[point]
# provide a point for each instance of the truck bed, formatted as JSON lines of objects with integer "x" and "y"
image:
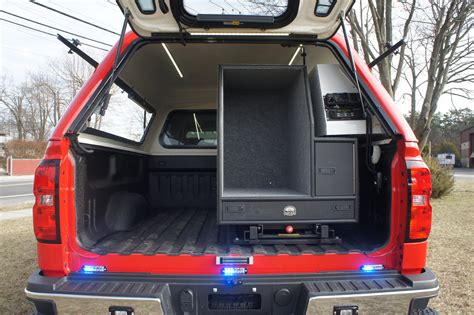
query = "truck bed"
{"x": 193, "y": 231}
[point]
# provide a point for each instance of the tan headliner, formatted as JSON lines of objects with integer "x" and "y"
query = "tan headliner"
{"x": 150, "y": 72}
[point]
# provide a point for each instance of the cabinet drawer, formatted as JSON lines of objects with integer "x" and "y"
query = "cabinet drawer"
{"x": 259, "y": 212}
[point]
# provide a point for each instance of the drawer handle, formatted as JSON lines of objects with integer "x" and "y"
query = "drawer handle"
{"x": 343, "y": 207}
{"x": 327, "y": 170}
{"x": 235, "y": 209}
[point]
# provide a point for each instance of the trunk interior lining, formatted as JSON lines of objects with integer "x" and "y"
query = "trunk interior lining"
{"x": 168, "y": 225}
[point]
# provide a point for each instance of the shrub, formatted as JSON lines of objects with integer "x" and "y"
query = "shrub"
{"x": 442, "y": 179}
{"x": 23, "y": 149}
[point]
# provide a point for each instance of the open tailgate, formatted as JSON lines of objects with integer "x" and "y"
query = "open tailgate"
{"x": 236, "y": 17}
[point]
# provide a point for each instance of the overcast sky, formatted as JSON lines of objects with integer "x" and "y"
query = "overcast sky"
{"x": 24, "y": 50}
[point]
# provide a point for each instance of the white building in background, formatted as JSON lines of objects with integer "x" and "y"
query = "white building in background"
{"x": 446, "y": 159}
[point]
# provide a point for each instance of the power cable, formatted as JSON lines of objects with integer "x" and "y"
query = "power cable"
{"x": 219, "y": 6}
{"x": 244, "y": 6}
{"x": 114, "y": 4}
{"x": 78, "y": 14}
{"x": 73, "y": 17}
{"x": 47, "y": 33}
{"x": 233, "y": 8}
{"x": 38, "y": 13}
{"x": 28, "y": 27}
{"x": 28, "y": 33}
{"x": 55, "y": 28}
{"x": 23, "y": 51}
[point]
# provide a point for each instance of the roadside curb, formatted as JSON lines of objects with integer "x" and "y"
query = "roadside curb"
{"x": 5, "y": 178}
{"x": 16, "y": 214}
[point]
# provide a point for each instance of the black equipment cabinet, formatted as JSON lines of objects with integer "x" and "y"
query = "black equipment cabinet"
{"x": 271, "y": 167}
{"x": 335, "y": 166}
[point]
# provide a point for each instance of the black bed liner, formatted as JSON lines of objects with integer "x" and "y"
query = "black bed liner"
{"x": 194, "y": 231}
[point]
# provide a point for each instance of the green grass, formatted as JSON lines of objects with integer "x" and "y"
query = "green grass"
{"x": 451, "y": 257}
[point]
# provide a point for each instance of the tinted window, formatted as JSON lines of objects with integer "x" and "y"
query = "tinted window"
{"x": 273, "y": 8}
{"x": 124, "y": 118}
{"x": 324, "y": 7}
{"x": 190, "y": 129}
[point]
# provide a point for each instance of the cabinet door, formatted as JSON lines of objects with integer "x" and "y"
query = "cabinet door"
{"x": 335, "y": 168}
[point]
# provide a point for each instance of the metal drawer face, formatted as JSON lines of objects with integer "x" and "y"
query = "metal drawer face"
{"x": 335, "y": 169}
{"x": 294, "y": 211}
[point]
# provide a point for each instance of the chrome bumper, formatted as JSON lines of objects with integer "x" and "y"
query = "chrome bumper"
{"x": 397, "y": 302}
{"x": 91, "y": 304}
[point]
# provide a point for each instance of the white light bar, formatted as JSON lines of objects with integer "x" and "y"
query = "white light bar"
{"x": 172, "y": 59}
{"x": 295, "y": 54}
{"x": 371, "y": 268}
{"x": 237, "y": 34}
{"x": 91, "y": 268}
{"x": 234, "y": 271}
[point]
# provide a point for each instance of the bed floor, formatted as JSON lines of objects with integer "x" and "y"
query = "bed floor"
{"x": 195, "y": 232}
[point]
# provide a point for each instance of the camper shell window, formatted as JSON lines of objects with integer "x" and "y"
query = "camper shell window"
{"x": 274, "y": 8}
{"x": 146, "y": 6}
{"x": 233, "y": 13}
{"x": 190, "y": 129}
{"x": 125, "y": 120}
{"x": 324, "y": 7}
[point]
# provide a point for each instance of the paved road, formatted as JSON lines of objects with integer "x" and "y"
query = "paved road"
{"x": 463, "y": 174}
{"x": 16, "y": 190}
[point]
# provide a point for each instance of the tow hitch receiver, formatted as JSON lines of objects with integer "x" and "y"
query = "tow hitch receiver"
{"x": 121, "y": 310}
{"x": 346, "y": 310}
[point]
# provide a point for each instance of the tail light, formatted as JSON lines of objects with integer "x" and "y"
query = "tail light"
{"x": 419, "y": 212}
{"x": 46, "y": 208}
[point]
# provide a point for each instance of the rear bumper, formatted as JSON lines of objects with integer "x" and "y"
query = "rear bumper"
{"x": 381, "y": 292}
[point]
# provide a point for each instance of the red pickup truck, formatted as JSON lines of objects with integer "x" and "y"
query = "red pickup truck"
{"x": 232, "y": 158}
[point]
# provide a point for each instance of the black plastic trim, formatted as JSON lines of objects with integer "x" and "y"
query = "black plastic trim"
{"x": 45, "y": 284}
{"x": 181, "y": 15}
{"x": 44, "y": 307}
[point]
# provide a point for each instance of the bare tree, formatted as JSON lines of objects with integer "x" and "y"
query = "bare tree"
{"x": 447, "y": 37}
{"x": 39, "y": 107}
{"x": 35, "y": 106}
{"x": 57, "y": 96}
{"x": 13, "y": 98}
{"x": 377, "y": 18}
{"x": 414, "y": 79}
{"x": 266, "y": 7}
{"x": 72, "y": 72}
{"x": 438, "y": 53}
